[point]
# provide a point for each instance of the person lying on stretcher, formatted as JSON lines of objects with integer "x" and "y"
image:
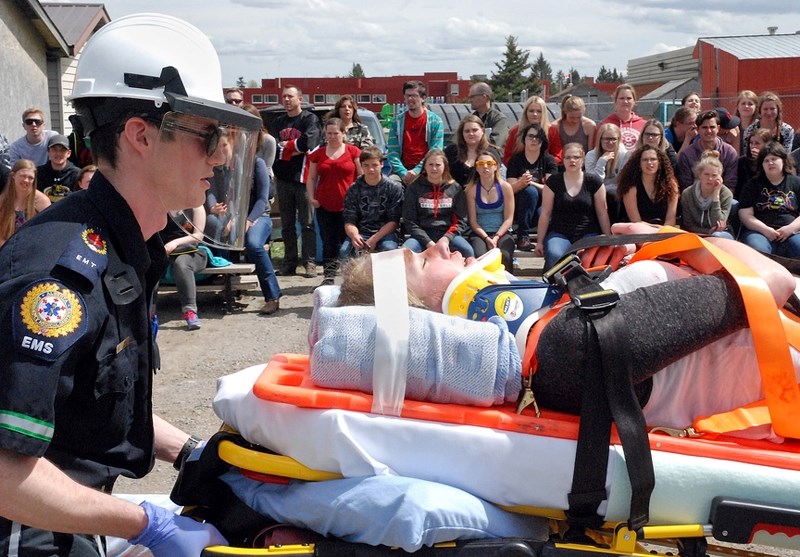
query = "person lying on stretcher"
{"x": 686, "y": 331}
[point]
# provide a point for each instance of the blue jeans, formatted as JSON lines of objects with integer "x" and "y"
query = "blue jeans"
{"x": 556, "y": 245}
{"x": 525, "y": 202}
{"x": 458, "y": 243}
{"x": 388, "y": 242}
{"x": 254, "y": 241}
{"x": 788, "y": 248}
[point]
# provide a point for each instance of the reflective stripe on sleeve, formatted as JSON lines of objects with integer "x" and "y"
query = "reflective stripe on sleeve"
{"x": 26, "y": 425}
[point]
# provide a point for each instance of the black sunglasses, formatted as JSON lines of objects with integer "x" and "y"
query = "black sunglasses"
{"x": 234, "y": 101}
{"x": 33, "y": 121}
{"x": 211, "y": 136}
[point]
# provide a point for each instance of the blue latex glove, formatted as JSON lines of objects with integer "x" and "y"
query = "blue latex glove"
{"x": 170, "y": 535}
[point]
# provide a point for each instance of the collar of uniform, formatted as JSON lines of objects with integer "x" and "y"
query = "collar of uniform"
{"x": 124, "y": 230}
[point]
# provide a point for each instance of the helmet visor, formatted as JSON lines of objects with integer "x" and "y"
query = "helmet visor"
{"x": 228, "y": 197}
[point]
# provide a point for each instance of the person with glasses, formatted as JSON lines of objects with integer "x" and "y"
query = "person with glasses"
{"x": 573, "y": 207}
{"x": 528, "y": 171}
{"x": 490, "y": 209}
{"x": 234, "y": 96}
{"x": 533, "y": 112}
{"x": 78, "y": 310}
{"x": 413, "y": 134}
{"x": 435, "y": 209}
{"x": 647, "y": 188}
{"x": 653, "y": 134}
{"x": 495, "y": 122}
{"x": 606, "y": 161}
{"x": 32, "y": 145}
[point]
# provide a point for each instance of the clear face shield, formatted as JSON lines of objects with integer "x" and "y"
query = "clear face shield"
{"x": 230, "y": 136}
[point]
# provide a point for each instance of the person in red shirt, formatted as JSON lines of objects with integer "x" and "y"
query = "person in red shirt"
{"x": 624, "y": 117}
{"x": 332, "y": 169}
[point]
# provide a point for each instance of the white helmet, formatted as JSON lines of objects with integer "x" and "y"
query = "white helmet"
{"x": 155, "y": 63}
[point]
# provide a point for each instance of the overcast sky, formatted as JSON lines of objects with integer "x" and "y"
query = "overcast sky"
{"x": 317, "y": 38}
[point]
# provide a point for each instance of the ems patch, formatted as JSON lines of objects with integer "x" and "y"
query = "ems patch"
{"x": 86, "y": 255}
{"x": 51, "y": 318}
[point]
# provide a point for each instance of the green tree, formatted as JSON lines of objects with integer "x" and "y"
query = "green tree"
{"x": 574, "y": 76}
{"x": 240, "y": 82}
{"x": 510, "y": 77}
{"x": 253, "y": 84}
{"x": 559, "y": 83}
{"x": 541, "y": 69}
{"x": 356, "y": 71}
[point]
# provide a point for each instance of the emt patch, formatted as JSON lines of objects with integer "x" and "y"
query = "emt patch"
{"x": 50, "y": 319}
{"x": 86, "y": 255}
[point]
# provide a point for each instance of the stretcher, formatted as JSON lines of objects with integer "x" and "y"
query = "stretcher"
{"x": 734, "y": 491}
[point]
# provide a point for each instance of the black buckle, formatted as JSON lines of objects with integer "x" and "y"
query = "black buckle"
{"x": 563, "y": 271}
{"x": 600, "y": 299}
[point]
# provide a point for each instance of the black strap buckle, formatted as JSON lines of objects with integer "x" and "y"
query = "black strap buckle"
{"x": 598, "y": 300}
{"x": 563, "y": 271}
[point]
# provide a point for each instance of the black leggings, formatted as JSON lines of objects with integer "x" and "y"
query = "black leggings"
{"x": 663, "y": 323}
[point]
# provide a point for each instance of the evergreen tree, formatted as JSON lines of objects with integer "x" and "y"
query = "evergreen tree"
{"x": 603, "y": 76}
{"x": 356, "y": 71}
{"x": 510, "y": 77}
{"x": 575, "y": 77}
{"x": 240, "y": 82}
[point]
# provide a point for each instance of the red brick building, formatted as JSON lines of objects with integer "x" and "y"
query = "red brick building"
{"x": 369, "y": 92}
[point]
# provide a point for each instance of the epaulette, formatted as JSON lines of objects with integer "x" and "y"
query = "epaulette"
{"x": 86, "y": 255}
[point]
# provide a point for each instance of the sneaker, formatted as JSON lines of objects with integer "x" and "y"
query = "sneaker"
{"x": 192, "y": 320}
{"x": 270, "y": 307}
{"x": 311, "y": 270}
{"x": 524, "y": 243}
{"x": 327, "y": 281}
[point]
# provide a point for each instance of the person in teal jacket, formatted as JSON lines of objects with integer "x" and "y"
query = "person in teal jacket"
{"x": 413, "y": 134}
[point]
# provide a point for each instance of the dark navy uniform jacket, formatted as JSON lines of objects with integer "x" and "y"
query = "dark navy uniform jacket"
{"x": 77, "y": 350}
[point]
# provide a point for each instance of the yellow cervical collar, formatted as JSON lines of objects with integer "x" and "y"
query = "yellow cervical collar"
{"x": 486, "y": 270}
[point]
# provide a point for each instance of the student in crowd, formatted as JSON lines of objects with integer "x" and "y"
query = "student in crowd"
{"x": 572, "y": 127}
{"x": 629, "y": 123}
{"x": 528, "y": 171}
{"x": 653, "y": 134}
{"x": 692, "y": 100}
{"x": 534, "y": 111}
{"x": 606, "y": 161}
{"x": 297, "y": 133}
{"x": 32, "y": 145}
{"x": 746, "y": 104}
{"x": 748, "y": 162}
{"x": 413, "y": 134}
{"x": 373, "y": 206}
{"x": 708, "y": 125}
{"x": 706, "y": 204}
{"x": 729, "y": 128}
{"x": 356, "y": 132}
{"x": 85, "y": 176}
{"x": 58, "y": 177}
{"x": 480, "y": 99}
{"x": 333, "y": 168}
{"x": 768, "y": 207}
{"x": 647, "y": 188}
{"x": 469, "y": 140}
{"x": 573, "y": 207}
{"x": 490, "y": 209}
{"x": 268, "y": 147}
{"x": 770, "y": 117}
{"x": 20, "y": 200}
{"x": 181, "y": 238}
{"x": 682, "y": 129}
{"x": 435, "y": 209}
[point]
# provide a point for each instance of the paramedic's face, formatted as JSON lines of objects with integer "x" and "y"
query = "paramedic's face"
{"x": 430, "y": 273}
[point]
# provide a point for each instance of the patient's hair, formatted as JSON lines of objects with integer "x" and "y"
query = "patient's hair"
{"x": 357, "y": 285}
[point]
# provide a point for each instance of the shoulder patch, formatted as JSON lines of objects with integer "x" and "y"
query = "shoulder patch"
{"x": 48, "y": 319}
{"x": 86, "y": 255}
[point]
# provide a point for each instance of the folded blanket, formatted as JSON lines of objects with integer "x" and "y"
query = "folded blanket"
{"x": 450, "y": 360}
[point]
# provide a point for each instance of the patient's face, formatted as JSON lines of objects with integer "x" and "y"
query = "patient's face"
{"x": 429, "y": 273}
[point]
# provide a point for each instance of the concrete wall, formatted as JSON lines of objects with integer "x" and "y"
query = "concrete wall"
{"x": 23, "y": 59}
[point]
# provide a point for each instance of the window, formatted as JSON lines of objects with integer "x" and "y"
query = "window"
{"x": 331, "y": 99}
{"x": 272, "y": 99}
{"x": 363, "y": 99}
{"x": 258, "y": 99}
{"x": 379, "y": 99}
{"x": 319, "y": 99}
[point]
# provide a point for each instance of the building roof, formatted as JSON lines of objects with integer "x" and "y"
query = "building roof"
{"x": 55, "y": 41}
{"x": 756, "y": 47}
{"x": 77, "y": 21}
{"x": 665, "y": 89}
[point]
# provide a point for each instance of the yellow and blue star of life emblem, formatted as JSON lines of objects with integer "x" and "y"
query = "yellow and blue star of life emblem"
{"x": 50, "y": 319}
